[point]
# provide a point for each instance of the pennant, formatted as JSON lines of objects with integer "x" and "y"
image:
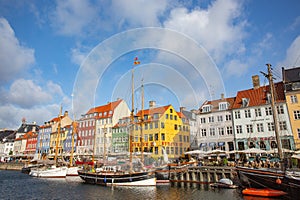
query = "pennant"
{"x": 136, "y": 61}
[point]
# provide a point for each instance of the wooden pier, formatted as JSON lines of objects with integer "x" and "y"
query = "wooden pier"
{"x": 204, "y": 175}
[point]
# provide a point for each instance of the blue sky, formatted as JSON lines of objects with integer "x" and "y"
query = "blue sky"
{"x": 79, "y": 54}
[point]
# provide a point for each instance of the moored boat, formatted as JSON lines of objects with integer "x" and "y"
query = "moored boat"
{"x": 266, "y": 192}
{"x": 49, "y": 172}
{"x": 224, "y": 183}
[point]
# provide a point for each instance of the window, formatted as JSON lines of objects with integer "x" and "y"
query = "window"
{"x": 228, "y": 117}
{"x": 249, "y": 128}
{"x": 260, "y": 127}
{"x": 211, "y": 119}
{"x": 223, "y": 106}
{"x": 171, "y": 110}
{"x": 247, "y": 114}
{"x": 175, "y": 117}
{"x": 156, "y": 136}
{"x": 150, "y": 137}
{"x": 298, "y": 131}
{"x": 175, "y": 127}
{"x": 180, "y": 138}
{"x": 162, "y": 125}
{"x": 257, "y": 112}
{"x": 294, "y": 99}
{"x": 167, "y": 116}
{"x": 237, "y": 114}
{"x": 245, "y": 102}
{"x": 268, "y": 111}
{"x": 271, "y": 126}
{"x": 202, "y": 120}
{"x": 297, "y": 114}
{"x": 268, "y": 98}
{"x": 239, "y": 129}
{"x": 221, "y": 130}
{"x": 229, "y": 130}
{"x": 282, "y": 125}
{"x": 155, "y": 124}
{"x": 280, "y": 109}
{"x": 203, "y": 132}
{"x": 206, "y": 108}
{"x": 163, "y": 137}
{"x": 220, "y": 118}
{"x": 212, "y": 131}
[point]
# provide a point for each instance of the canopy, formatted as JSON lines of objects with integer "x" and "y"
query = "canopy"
{"x": 253, "y": 150}
{"x": 283, "y": 150}
{"x": 296, "y": 156}
{"x": 216, "y": 151}
{"x": 195, "y": 152}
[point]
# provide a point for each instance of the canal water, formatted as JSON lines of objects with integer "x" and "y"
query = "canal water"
{"x": 16, "y": 185}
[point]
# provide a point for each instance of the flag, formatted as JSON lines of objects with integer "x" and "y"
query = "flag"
{"x": 136, "y": 61}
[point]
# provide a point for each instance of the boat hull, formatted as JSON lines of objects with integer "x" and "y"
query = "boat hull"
{"x": 58, "y": 172}
{"x": 117, "y": 179}
{"x": 263, "y": 192}
{"x": 268, "y": 178}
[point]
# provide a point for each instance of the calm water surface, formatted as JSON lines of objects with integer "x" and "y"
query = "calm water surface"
{"x": 15, "y": 185}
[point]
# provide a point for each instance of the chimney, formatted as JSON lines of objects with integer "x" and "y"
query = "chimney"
{"x": 255, "y": 81}
{"x": 151, "y": 104}
{"x": 66, "y": 113}
{"x": 222, "y": 95}
{"x": 182, "y": 109}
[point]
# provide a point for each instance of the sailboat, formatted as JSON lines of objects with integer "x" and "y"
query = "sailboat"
{"x": 117, "y": 175}
{"x": 271, "y": 178}
{"x": 51, "y": 170}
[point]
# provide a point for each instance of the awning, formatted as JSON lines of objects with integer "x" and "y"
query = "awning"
{"x": 220, "y": 144}
{"x": 212, "y": 144}
{"x": 203, "y": 144}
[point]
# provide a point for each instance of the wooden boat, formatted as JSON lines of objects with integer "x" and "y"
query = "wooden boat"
{"x": 266, "y": 192}
{"x": 272, "y": 178}
{"x": 117, "y": 175}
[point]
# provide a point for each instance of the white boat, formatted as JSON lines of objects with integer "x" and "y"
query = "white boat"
{"x": 49, "y": 172}
{"x": 73, "y": 171}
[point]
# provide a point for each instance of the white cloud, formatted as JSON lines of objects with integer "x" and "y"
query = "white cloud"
{"x": 138, "y": 13}
{"x": 219, "y": 28}
{"x": 26, "y": 94}
{"x": 14, "y": 57}
{"x": 235, "y": 68}
{"x": 292, "y": 58}
{"x": 72, "y": 17}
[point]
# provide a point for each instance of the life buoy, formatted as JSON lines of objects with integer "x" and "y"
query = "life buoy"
{"x": 278, "y": 181}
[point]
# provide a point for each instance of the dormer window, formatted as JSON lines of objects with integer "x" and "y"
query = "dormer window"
{"x": 223, "y": 106}
{"x": 206, "y": 108}
{"x": 245, "y": 102}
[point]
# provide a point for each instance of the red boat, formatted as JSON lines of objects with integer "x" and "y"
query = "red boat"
{"x": 265, "y": 192}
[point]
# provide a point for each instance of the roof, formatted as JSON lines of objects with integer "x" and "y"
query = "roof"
{"x": 215, "y": 103}
{"x": 291, "y": 75}
{"x": 155, "y": 110}
{"x": 111, "y": 106}
{"x": 258, "y": 97}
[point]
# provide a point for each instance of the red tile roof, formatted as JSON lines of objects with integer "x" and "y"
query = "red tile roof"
{"x": 258, "y": 97}
{"x": 111, "y": 106}
{"x": 151, "y": 111}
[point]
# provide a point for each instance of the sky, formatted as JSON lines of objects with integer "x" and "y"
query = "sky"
{"x": 80, "y": 54}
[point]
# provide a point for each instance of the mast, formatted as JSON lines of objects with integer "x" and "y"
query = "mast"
{"x": 58, "y": 135}
{"x": 73, "y": 133}
{"x": 104, "y": 145}
{"x": 275, "y": 118}
{"x": 141, "y": 123}
{"x": 95, "y": 137}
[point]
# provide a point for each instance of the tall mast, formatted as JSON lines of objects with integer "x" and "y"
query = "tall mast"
{"x": 73, "y": 133}
{"x": 58, "y": 135}
{"x": 95, "y": 138}
{"x": 274, "y": 110}
{"x": 141, "y": 123}
{"x": 104, "y": 145}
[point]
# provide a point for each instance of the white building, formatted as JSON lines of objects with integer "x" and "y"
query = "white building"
{"x": 215, "y": 125}
{"x": 253, "y": 119}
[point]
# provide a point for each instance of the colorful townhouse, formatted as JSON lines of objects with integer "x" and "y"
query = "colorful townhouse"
{"x": 215, "y": 129}
{"x": 31, "y": 143}
{"x": 43, "y": 140}
{"x": 291, "y": 81}
{"x": 71, "y": 139}
{"x": 120, "y": 136}
{"x": 57, "y": 140}
{"x": 163, "y": 130}
{"x": 253, "y": 118}
{"x": 95, "y": 128}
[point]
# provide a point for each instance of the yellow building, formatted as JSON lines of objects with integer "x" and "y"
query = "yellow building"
{"x": 64, "y": 121}
{"x": 163, "y": 129}
{"x": 291, "y": 82}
